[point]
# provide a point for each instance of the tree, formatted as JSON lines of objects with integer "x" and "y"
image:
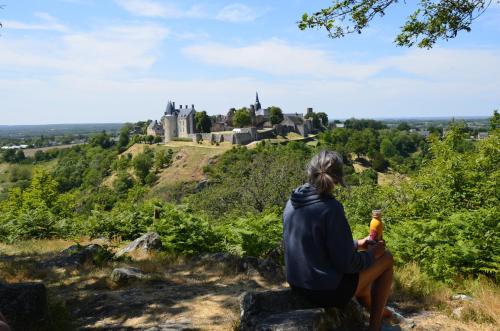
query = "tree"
{"x": 20, "y": 155}
{"x": 123, "y": 182}
{"x": 324, "y": 118}
{"x": 142, "y": 165}
{"x": 495, "y": 121}
{"x": 430, "y": 22}
{"x": 379, "y": 163}
{"x": 9, "y": 155}
{"x": 275, "y": 115}
{"x": 242, "y": 118}
{"x": 124, "y": 138}
{"x": 203, "y": 123}
{"x": 387, "y": 148}
{"x": 101, "y": 139}
{"x": 316, "y": 122}
{"x": 163, "y": 159}
{"x": 403, "y": 126}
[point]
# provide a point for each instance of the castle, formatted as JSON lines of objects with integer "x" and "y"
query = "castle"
{"x": 180, "y": 123}
{"x": 174, "y": 123}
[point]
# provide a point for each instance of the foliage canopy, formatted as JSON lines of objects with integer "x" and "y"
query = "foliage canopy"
{"x": 430, "y": 21}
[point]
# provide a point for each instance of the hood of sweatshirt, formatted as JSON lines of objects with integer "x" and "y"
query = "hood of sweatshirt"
{"x": 306, "y": 195}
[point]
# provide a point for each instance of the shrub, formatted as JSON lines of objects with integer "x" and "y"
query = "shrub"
{"x": 185, "y": 233}
{"x": 252, "y": 235}
{"x": 465, "y": 243}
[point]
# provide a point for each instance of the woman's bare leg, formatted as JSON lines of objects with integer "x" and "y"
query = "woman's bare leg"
{"x": 375, "y": 283}
{"x": 365, "y": 299}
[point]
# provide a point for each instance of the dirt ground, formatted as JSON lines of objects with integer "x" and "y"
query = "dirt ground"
{"x": 180, "y": 294}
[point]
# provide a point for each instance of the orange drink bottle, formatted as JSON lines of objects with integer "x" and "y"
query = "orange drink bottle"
{"x": 376, "y": 226}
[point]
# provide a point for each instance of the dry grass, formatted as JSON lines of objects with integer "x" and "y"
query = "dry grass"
{"x": 35, "y": 247}
{"x": 485, "y": 308}
{"x": 30, "y": 152}
{"x": 414, "y": 291}
{"x": 384, "y": 178}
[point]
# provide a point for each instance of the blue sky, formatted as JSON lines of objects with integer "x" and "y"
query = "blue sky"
{"x": 84, "y": 61}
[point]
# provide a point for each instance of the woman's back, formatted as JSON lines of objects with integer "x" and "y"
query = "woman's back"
{"x": 319, "y": 247}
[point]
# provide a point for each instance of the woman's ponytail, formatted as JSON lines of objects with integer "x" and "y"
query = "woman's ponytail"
{"x": 325, "y": 170}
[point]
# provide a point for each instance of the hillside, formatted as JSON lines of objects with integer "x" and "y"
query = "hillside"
{"x": 383, "y": 178}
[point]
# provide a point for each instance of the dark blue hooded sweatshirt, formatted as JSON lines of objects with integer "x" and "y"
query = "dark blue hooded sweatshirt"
{"x": 319, "y": 248}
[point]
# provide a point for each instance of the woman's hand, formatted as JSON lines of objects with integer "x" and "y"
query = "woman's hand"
{"x": 365, "y": 243}
{"x": 378, "y": 249}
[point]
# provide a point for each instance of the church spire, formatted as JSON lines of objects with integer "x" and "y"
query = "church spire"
{"x": 257, "y": 102}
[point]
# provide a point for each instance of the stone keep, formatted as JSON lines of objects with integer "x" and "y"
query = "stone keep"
{"x": 178, "y": 122}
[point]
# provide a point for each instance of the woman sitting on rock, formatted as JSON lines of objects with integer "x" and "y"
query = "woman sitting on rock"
{"x": 322, "y": 260}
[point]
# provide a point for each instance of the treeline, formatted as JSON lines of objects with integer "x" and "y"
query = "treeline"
{"x": 401, "y": 150}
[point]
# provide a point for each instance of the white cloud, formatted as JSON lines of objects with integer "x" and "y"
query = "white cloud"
{"x": 100, "y": 52}
{"x": 48, "y": 23}
{"x": 150, "y": 8}
{"x": 280, "y": 58}
{"x": 237, "y": 13}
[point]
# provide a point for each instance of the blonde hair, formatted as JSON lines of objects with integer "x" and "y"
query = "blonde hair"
{"x": 325, "y": 170}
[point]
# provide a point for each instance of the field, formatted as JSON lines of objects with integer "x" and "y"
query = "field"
{"x": 30, "y": 152}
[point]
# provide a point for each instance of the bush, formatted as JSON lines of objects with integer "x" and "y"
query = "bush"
{"x": 184, "y": 233}
{"x": 252, "y": 235}
{"x": 37, "y": 223}
{"x": 127, "y": 224}
{"x": 465, "y": 243}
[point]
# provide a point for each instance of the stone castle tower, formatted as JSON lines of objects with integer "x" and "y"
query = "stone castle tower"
{"x": 178, "y": 122}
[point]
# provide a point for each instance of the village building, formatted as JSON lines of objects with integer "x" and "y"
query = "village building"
{"x": 155, "y": 129}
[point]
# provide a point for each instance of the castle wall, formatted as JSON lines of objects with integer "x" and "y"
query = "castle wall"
{"x": 243, "y": 138}
{"x": 266, "y": 134}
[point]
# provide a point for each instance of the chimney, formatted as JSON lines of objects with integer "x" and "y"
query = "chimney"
{"x": 181, "y": 107}
{"x": 173, "y": 105}
{"x": 309, "y": 110}
{"x": 187, "y": 107}
{"x": 192, "y": 106}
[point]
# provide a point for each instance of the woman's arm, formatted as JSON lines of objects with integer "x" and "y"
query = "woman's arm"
{"x": 343, "y": 253}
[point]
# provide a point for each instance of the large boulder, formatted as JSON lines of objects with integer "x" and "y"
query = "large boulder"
{"x": 147, "y": 243}
{"x": 267, "y": 268}
{"x": 78, "y": 255}
{"x": 24, "y": 305}
{"x": 126, "y": 275}
{"x": 283, "y": 310}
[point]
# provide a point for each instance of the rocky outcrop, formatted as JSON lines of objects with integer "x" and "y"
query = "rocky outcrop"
{"x": 283, "y": 310}
{"x": 24, "y": 305}
{"x": 78, "y": 255}
{"x": 267, "y": 268}
{"x": 126, "y": 275}
{"x": 145, "y": 244}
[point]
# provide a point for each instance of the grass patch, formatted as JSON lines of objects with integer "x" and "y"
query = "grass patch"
{"x": 485, "y": 306}
{"x": 35, "y": 247}
{"x": 413, "y": 286}
{"x": 294, "y": 136}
